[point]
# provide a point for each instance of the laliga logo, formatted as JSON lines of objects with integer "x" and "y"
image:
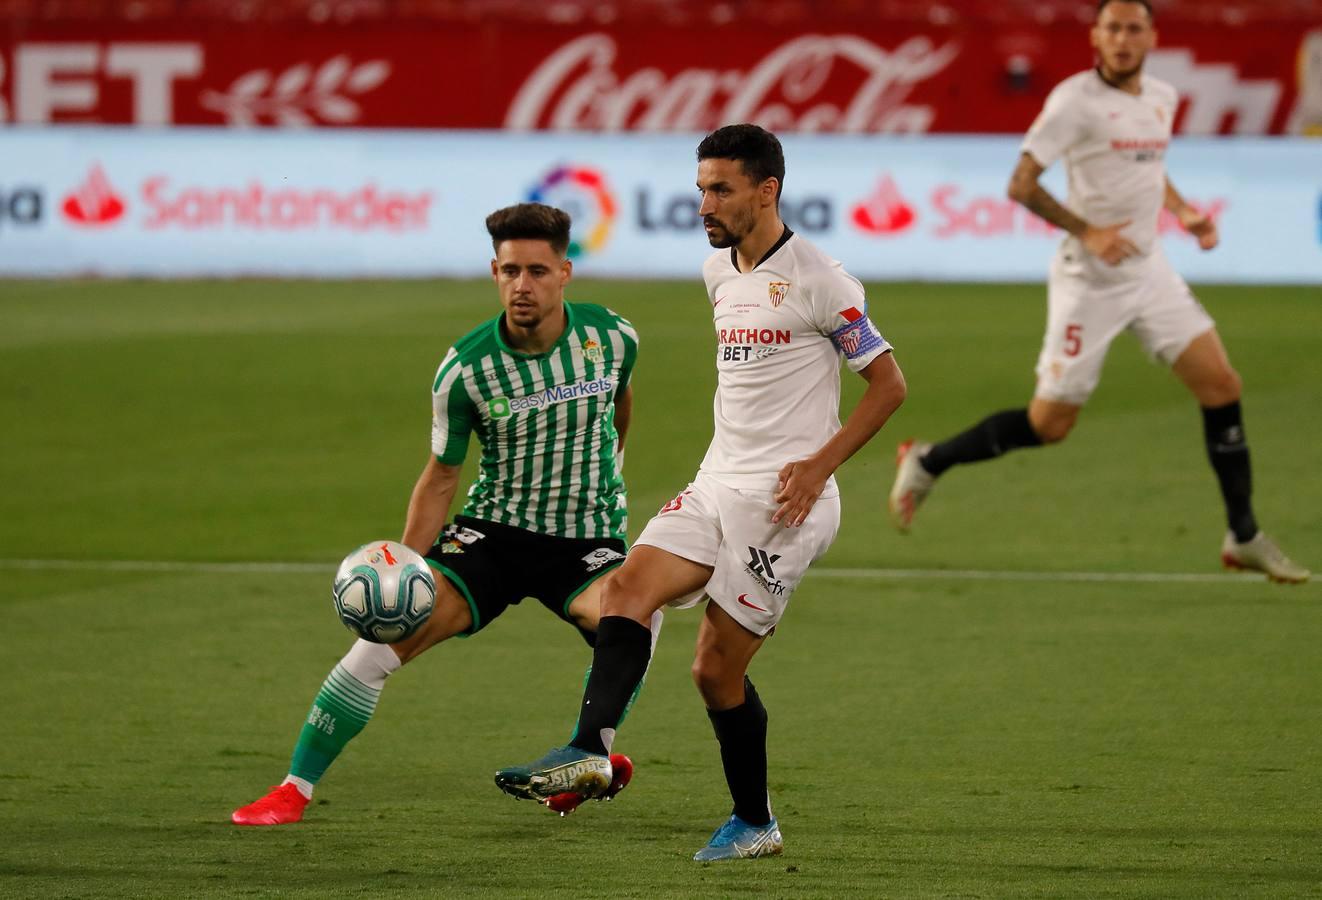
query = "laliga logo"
{"x": 94, "y": 202}
{"x": 581, "y": 192}
{"x": 884, "y": 211}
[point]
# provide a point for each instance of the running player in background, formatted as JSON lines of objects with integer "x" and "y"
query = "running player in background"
{"x": 764, "y": 504}
{"x": 1112, "y": 125}
{"x": 545, "y": 386}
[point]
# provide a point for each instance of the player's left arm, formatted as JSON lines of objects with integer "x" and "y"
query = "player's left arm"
{"x": 1198, "y": 223}
{"x": 623, "y": 414}
{"x": 802, "y": 481}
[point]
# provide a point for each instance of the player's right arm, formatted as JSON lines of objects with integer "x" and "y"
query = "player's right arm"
{"x": 453, "y": 415}
{"x": 1062, "y": 125}
{"x": 1105, "y": 241}
{"x": 429, "y": 505}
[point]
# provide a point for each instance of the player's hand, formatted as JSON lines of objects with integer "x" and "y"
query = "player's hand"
{"x": 1107, "y": 243}
{"x": 1201, "y": 226}
{"x": 800, "y": 484}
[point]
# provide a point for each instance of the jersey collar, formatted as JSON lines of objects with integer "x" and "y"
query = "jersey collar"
{"x": 784, "y": 236}
{"x": 1097, "y": 70}
{"x": 559, "y": 342}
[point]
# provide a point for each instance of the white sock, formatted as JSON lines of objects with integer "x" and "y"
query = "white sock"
{"x": 304, "y": 787}
{"x": 370, "y": 663}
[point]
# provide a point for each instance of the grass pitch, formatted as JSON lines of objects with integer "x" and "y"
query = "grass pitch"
{"x": 932, "y": 736}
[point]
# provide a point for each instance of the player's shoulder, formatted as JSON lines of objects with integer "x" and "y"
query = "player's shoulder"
{"x": 479, "y": 342}
{"x": 812, "y": 267}
{"x": 718, "y": 267}
{"x": 1081, "y": 87}
{"x": 595, "y": 315}
{"x": 1164, "y": 91}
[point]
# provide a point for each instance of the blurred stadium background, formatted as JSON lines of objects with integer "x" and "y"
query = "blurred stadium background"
{"x": 236, "y": 239}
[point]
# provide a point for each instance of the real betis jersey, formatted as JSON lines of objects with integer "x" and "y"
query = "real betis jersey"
{"x": 546, "y": 423}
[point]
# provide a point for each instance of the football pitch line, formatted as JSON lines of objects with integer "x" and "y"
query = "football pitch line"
{"x": 863, "y": 574}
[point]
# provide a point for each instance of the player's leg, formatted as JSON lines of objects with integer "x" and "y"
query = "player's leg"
{"x": 671, "y": 560}
{"x": 756, "y": 573}
{"x": 649, "y": 579}
{"x": 1082, "y": 320}
{"x": 1174, "y": 329}
{"x": 720, "y": 666}
{"x": 584, "y": 610}
{"x": 1205, "y": 369}
{"x": 345, "y": 704}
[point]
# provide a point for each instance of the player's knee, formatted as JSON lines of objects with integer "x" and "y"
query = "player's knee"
{"x": 720, "y": 688}
{"x": 1225, "y": 387}
{"x": 450, "y": 616}
{"x": 1054, "y": 429}
{"x": 624, "y": 594}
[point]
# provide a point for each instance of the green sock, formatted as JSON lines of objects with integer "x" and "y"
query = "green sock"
{"x": 343, "y": 707}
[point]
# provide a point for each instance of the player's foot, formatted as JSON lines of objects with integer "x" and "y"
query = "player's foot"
{"x": 1261, "y": 555}
{"x": 621, "y": 775}
{"x": 912, "y": 483}
{"x": 283, "y": 806}
{"x": 564, "y": 770}
{"x": 736, "y": 839}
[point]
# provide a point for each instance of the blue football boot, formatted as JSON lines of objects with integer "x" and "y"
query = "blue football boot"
{"x": 736, "y": 839}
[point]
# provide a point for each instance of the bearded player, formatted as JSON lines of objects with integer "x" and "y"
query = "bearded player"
{"x": 545, "y": 388}
{"x": 1111, "y": 126}
{"x": 764, "y": 504}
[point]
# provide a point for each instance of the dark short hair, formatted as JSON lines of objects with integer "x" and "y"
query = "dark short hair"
{"x": 530, "y": 221}
{"x": 1103, "y": 4}
{"x": 755, "y": 148}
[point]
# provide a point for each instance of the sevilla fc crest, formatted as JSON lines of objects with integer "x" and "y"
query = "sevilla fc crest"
{"x": 776, "y": 292}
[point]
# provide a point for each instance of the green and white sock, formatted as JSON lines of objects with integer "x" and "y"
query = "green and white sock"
{"x": 343, "y": 707}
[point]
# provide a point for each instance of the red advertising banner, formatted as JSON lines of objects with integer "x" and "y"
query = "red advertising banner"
{"x": 1262, "y": 79}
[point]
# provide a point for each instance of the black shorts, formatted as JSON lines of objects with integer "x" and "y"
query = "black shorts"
{"x": 495, "y": 566}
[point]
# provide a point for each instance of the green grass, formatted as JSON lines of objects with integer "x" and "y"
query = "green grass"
{"x": 936, "y": 737}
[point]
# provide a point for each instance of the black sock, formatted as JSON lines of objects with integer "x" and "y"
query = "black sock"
{"x": 742, "y": 733}
{"x": 994, "y": 435}
{"x": 1228, "y": 451}
{"x": 619, "y": 662}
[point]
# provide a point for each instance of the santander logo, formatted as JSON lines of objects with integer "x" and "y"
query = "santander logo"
{"x": 884, "y": 211}
{"x": 93, "y": 203}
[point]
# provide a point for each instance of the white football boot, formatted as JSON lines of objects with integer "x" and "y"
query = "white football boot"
{"x": 1261, "y": 555}
{"x": 912, "y": 483}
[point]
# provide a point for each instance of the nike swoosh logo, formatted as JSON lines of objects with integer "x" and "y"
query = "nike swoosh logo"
{"x": 751, "y": 605}
{"x": 718, "y": 302}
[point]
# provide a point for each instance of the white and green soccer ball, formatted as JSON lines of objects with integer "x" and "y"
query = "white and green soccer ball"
{"x": 383, "y": 592}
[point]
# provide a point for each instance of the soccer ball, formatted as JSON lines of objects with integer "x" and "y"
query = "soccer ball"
{"x": 383, "y": 592}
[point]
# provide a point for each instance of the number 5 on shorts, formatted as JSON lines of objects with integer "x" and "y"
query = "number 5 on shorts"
{"x": 1073, "y": 339}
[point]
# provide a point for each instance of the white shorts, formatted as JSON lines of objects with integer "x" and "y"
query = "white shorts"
{"x": 1086, "y": 310}
{"x": 755, "y": 565}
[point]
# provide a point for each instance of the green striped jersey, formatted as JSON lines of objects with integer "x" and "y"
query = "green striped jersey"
{"x": 546, "y": 423}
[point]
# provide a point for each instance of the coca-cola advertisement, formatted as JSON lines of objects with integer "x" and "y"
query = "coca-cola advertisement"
{"x": 902, "y": 79}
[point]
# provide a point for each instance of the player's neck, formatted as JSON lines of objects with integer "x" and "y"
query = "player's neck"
{"x": 1130, "y": 83}
{"x": 540, "y": 337}
{"x": 756, "y": 243}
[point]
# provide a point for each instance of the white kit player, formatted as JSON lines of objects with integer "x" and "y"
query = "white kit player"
{"x": 764, "y": 504}
{"x": 1111, "y": 126}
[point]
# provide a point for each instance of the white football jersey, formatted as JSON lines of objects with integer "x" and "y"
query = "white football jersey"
{"x": 781, "y": 331}
{"x": 1114, "y": 147}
